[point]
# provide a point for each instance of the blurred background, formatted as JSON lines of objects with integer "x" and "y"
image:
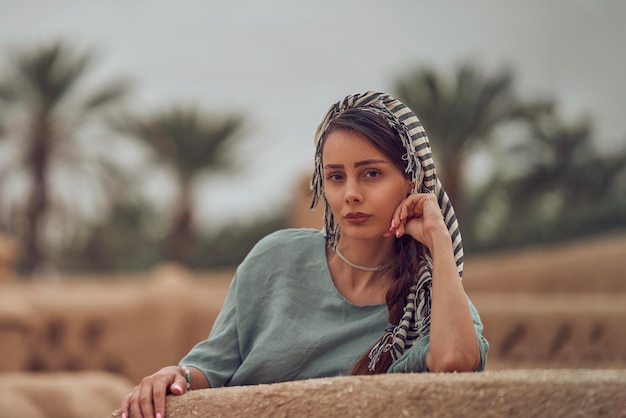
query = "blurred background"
{"x": 131, "y": 128}
{"x": 146, "y": 146}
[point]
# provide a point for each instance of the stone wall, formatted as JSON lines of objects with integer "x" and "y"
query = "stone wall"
{"x": 510, "y": 393}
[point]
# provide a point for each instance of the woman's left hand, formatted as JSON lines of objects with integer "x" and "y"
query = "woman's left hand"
{"x": 419, "y": 215}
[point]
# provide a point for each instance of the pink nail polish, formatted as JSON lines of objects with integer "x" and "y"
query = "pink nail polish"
{"x": 393, "y": 224}
{"x": 158, "y": 415}
{"x": 123, "y": 414}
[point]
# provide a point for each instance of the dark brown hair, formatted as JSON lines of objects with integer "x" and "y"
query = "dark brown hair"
{"x": 379, "y": 133}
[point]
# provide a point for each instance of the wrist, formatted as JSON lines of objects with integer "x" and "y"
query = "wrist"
{"x": 439, "y": 238}
{"x": 187, "y": 375}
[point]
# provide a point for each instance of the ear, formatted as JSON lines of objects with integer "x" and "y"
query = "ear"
{"x": 411, "y": 188}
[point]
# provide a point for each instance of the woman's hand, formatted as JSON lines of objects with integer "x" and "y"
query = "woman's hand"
{"x": 419, "y": 215}
{"x": 147, "y": 399}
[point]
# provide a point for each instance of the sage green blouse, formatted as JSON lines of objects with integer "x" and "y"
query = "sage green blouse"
{"x": 283, "y": 319}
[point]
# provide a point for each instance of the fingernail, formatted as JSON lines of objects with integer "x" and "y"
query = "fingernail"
{"x": 158, "y": 415}
{"x": 393, "y": 224}
{"x": 397, "y": 233}
{"x": 123, "y": 414}
{"x": 178, "y": 387}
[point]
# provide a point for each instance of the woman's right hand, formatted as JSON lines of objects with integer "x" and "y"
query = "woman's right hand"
{"x": 147, "y": 399}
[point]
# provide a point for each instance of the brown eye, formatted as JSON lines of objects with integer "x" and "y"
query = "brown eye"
{"x": 334, "y": 177}
{"x": 370, "y": 174}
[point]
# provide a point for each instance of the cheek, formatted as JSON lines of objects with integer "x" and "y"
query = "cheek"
{"x": 397, "y": 191}
{"x": 390, "y": 201}
{"x": 333, "y": 199}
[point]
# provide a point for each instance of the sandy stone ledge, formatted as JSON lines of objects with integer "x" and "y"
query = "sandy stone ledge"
{"x": 506, "y": 393}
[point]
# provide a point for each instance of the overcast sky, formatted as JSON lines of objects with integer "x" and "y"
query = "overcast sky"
{"x": 283, "y": 62}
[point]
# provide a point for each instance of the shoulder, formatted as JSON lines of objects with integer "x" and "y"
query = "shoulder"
{"x": 291, "y": 240}
{"x": 283, "y": 250}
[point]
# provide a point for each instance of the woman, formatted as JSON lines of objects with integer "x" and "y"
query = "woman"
{"x": 377, "y": 291}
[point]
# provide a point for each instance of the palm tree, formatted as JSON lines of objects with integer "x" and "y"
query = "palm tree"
{"x": 554, "y": 152}
{"x": 190, "y": 143}
{"x": 565, "y": 174}
{"x": 127, "y": 239}
{"x": 460, "y": 113}
{"x": 48, "y": 118}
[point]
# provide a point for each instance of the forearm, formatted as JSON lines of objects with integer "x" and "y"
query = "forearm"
{"x": 453, "y": 341}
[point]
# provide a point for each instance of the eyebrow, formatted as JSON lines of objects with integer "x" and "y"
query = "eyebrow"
{"x": 357, "y": 164}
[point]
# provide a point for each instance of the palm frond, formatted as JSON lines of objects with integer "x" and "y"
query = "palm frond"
{"x": 51, "y": 73}
{"x": 186, "y": 138}
{"x": 106, "y": 95}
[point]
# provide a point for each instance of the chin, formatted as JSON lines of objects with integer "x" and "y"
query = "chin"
{"x": 361, "y": 232}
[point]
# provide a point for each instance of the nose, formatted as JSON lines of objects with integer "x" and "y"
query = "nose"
{"x": 352, "y": 193}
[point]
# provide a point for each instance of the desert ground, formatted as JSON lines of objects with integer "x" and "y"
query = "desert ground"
{"x": 76, "y": 345}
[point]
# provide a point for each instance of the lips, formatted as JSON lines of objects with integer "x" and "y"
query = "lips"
{"x": 357, "y": 217}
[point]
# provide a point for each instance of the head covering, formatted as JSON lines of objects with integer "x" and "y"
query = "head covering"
{"x": 421, "y": 168}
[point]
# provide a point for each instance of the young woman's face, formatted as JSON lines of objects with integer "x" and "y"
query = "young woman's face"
{"x": 362, "y": 185}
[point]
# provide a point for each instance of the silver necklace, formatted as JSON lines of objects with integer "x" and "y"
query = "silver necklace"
{"x": 358, "y": 267}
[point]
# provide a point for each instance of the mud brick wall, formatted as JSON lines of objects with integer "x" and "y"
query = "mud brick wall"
{"x": 129, "y": 328}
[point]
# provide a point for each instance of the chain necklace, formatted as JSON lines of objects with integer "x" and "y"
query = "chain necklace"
{"x": 380, "y": 267}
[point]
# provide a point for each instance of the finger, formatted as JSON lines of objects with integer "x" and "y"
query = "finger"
{"x": 179, "y": 386}
{"x": 146, "y": 402}
{"x": 412, "y": 213}
{"x": 408, "y": 211}
{"x": 433, "y": 205}
{"x": 395, "y": 219}
{"x": 400, "y": 217}
{"x": 158, "y": 399}
{"x": 405, "y": 210}
{"x": 134, "y": 410}
{"x": 400, "y": 230}
{"x": 125, "y": 405}
{"x": 399, "y": 227}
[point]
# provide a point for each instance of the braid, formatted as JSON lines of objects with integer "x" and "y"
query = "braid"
{"x": 405, "y": 269}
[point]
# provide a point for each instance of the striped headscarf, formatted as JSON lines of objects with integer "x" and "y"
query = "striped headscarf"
{"x": 421, "y": 168}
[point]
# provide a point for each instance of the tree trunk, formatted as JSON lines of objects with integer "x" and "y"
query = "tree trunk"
{"x": 180, "y": 240}
{"x": 33, "y": 257}
{"x": 451, "y": 178}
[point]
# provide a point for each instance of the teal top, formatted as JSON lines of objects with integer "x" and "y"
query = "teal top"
{"x": 283, "y": 319}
